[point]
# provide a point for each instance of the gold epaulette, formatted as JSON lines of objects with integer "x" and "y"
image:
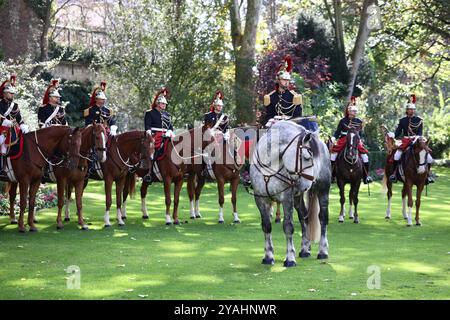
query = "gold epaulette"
{"x": 267, "y": 98}
{"x": 86, "y": 112}
{"x": 298, "y": 98}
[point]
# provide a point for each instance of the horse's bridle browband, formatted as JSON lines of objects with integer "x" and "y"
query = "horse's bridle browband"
{"x": 299, "y": 169}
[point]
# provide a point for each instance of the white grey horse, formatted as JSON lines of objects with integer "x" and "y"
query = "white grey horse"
{"x": 288, "y": 165}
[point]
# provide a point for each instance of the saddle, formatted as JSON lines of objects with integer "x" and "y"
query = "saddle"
{"x": 13, "y": 142}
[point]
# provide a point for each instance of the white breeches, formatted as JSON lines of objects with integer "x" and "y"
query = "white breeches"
{"x": 398, "y": 155}
{"x": 364, "y": 157}
{"x": 333, "y": 156}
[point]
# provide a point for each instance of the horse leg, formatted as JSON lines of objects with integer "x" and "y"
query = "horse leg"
{"x": 404, "y": 195}
{"x": 23, "y": 189}
{"x": 418, "y": 196}
{"x": 408, "y": 187}
{"x": 60, "y": 188}
{"x": 176, "y": 199}
{"x": 299, "y": 204}
{"x": 234, "y": 186}
{"x": 69, "y": 200}
{"x": 389, "y": 196}
{"x": 34, "y": 186}
{"x": 12, "y": 202}
{"x": 278, "y": 213}
{"x": 108, "y": 200}
{"x": 198, "y": 190}
{"x": 288, "y": 228}
{"x": 120, "y": 182}
{"x": 323, "y": 198}
{"x": 221, "y": 187}
{"x": 351, "y": 202}
{"x": 167, "y": 183}
{"x": 79, "y": 200}
{"x": 191, "y": 194}
{"x": 355, "y": 200}
{"x": 144, "y": 188}
{"x": 341, "y": 186}
{"x": 264, "y": 206}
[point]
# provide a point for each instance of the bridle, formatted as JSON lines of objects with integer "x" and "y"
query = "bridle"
{"x": 299, "y": 167}
{"x": 92, "y": 155}
{"x": 353, "y": 157}
{"x": 413, "y": 154}
{"x": 141, "y": 154}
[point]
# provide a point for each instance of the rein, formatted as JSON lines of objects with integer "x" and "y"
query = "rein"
{"x": 67, "y": 156}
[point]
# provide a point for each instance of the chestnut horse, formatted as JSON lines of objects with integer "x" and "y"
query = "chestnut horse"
{"x": 126, "y": 152}
{"x": 93, "y": 148}
{"x": 38, "y": 147}
{"x": 223, "y": 169}
{"x": 349, "y": 169}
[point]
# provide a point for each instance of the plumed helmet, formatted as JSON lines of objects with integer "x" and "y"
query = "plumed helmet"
{"x": 8, "y": 86}
{"x": 285, "y": 69}
{"x": 98, "y": 93}
{"x": 217, "y": 100}
{"x": 411, "y": 103}
{"x": 161, "y": 97}
{"x": 351, "y": 106}
{"x": 52, "y": 91}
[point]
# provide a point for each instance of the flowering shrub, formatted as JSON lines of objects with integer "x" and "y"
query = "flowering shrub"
{"x": 46, "y": 197}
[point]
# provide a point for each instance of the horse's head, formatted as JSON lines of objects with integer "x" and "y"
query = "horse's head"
{"x": 72, "y": 143}
{"x": 352, "y": 144}
{"x": 98, "y": 142}
{"x": 420, "y": 151}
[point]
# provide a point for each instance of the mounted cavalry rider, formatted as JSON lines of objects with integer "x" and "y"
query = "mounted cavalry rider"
{"x": 408, "y": 129}
{"x": 282, "y": 103}
{"x": 98, "y": 112}
{"x": 51, "y": 112}
{"x": 9, "y": 112}
{"x": 157, "y": 121}
{"x": 350, "y": 121}
{"x": 218, "y": 120}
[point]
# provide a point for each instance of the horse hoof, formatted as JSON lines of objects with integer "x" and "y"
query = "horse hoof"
{"x": 322, "y": 256}
{"x": 418, "y": 224}
{"x": 277, "y": 220}
{"x": 237, "y": 221}
{"x": 33, "y": 229}
{"x": 341, "y": 221}
{"x": 84, "y": 228}
{"x": 145, "y": 217}
{"x": 409, "y": 225}
{"x": 107, "y": 225}
{"x": 289, "y": 264}
{"x": 192, "y": 218}
{"x": 168, "y": 223}
{"x": 356, "y": 221}
{"x": 121, "y": 224}
{"x": 22, "y": 230}
{"x": 198, "y": 217}
{"x": 58, "y": 227}
{"x": 351, "y": 218}
{"x": 177, "y": 223}
{"x": 304, "y": 254}
{"x": 13, "y": 222}
{"x": 268, "y": 261}
{"x": 221, "y": 221}
{"x": 387, "y": 218}
{"x": 124, "y": 218}
{"x": 66, "y": 219}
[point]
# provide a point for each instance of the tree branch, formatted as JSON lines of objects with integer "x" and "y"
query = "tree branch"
{"x": 330, "y": 14}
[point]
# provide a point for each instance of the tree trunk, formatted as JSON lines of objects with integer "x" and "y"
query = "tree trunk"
{"x": 339, "y": 31}
{"x": 43, "y": 39}
{"x": 358, "y": 50}
{"x": 244, "y": 50}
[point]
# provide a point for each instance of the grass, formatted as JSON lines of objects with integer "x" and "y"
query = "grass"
{"x": 205, "y": 260}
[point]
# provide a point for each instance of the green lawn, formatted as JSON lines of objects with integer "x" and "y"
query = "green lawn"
{"x": 205, "y": 260}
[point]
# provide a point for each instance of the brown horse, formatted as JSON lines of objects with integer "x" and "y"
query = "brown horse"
{"x": 126, "y": 152}
{"x": 224, "y": 168}
{"x": 349, "y": 169}
{"x": 390, "y": 147}
{"x": 93, "y": 147}
{"x": 38, "y": 147}
{"x": 415, "y": 172}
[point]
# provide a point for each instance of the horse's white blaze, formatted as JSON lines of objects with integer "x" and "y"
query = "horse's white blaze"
{"x": 104, "y": 148}
{"x": 197, "y": 208}
{"x": 404, "y": 208}
{"x": 67, "y": 209}
{"x": 388, "y": 209}
{"x": 236, "y": 217}
{"x": 352, "y": 135}
{"x": 409, "y": 216}
{"x": 168, "y": 218}
{"x": 421, "y": 168}
{"x": 350, "y": 212}
{"x": 119, "y": 217}
{"x": 192, "y": 211}
{"x": 124, "y": 209}
{"x": 221, "y": 214}
{"x": 107, "y": 222}
{"x": 144, "y": 207}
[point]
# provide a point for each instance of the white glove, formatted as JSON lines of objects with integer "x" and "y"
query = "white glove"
{"x": 149, "y": 132}
{"x": 7, "y": 123}
{"x": 226, "y": 136}
{"x": 24, "y": 128}
{"x": 391, "y": 135}
{"x": 270, "y": 122}
{"x": 333, "y": 139}
{"x": 113, "y": 129}
{"x": 169, "y": 134}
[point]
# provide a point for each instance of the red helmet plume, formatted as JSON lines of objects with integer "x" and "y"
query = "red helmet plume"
{"x": 413, "y": 99}
{"x": 94, "y": 93}
{"x": 53, "y": 85}
{"x": 164, "y": 91}
{"x": 217, "y": 96}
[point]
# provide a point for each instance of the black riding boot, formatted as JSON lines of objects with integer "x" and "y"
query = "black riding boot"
{"x": 430, "y": 178}
{"x": 393, "y": 177}
{"x": 245, "y": 176}
{"x": 366, "y": 177}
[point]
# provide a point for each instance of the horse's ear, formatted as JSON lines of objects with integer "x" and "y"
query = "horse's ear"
{"x": 76, "y": 130}
{"x": 307, "y": 137}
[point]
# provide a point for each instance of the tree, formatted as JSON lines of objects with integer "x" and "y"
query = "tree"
{"x": 244, "y": 41}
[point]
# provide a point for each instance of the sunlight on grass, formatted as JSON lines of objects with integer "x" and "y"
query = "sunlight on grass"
{"x": 414, "y": 266}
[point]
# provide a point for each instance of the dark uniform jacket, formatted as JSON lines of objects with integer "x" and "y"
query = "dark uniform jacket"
{"x": 212, "y": 118}
{"x": 288, "y": 103}
{"x": 14, "y": 114}
{"x": 46, "y": 111}
{"x": 99, "y": 115}
{"x": 409, "y": 126}
{"x": 155, "y": 119}
{"x": 347, "y": 123}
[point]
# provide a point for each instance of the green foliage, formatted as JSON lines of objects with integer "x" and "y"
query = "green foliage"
{"x": 77, "y": 94}
{"x": 41, "y": 7}
{"x": 84, "y": 56}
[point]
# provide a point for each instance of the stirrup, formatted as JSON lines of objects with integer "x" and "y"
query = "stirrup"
{"x": 368, "y": 180}
{"x": 393, "y": 178}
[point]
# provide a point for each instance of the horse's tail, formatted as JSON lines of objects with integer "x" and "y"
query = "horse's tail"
{"x": 313, "y": 223}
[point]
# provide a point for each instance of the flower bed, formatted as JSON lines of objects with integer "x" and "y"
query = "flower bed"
{"x": 46, "y": 197}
